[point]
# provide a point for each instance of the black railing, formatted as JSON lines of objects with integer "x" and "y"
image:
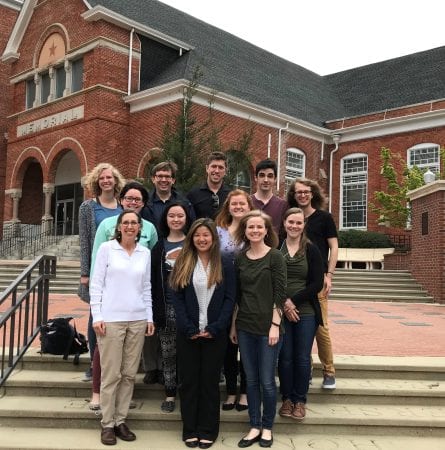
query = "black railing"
{"x": 401, "y": 242}
{"x": 21, "y": 240}
{"x": 23, "y": 308}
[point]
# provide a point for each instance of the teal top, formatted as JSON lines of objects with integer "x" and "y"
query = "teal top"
{"x": 105, "y": 232}
{"x": 261, "y": 287}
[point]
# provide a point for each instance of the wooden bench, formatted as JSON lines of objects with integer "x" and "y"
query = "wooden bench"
{"x": 355, "y": 258}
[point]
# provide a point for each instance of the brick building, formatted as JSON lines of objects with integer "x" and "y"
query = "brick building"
{"x": 90, "y": 81}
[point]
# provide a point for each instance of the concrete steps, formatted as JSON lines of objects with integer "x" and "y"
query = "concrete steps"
{"x": 67, "y": 275}
{"x": 379, "y": 402}
{"x": 377, "y": 285}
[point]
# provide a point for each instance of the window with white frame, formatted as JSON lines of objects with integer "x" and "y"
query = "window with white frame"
{"x": 56, "y": 82}
{"x": 354, "y": 190}
{"x": 295, "y": 165}
{"x": 424, "y": 156}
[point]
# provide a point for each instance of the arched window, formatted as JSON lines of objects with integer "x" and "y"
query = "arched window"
{"x": 295, "y": 165}
{"x": 424, "y": 156}
{"x": 354, "y": 190}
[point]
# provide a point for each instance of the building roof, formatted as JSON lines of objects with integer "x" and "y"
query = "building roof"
{"x": 398, "y": 82}
{"x": 232, "y": 65}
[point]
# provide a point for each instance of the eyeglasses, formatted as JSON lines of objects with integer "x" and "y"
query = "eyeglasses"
{"x": 163, "y": 177}
{"x": 127, "y": 223}
{"x": 303, "y": 193}
{"x": 133, "y": 199}
{"x": 215, "y": 204}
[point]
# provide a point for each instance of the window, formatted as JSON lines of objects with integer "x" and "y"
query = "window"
{"x": 55, "y": 83}
{"x": 77, "y": 80}
{"x": 45, "y": 87}
{"x": 30, "y": 93}
{"x": 354, "y": 186}
{"x": 425, "y": 156}
{"x": 295, "y": 165}
{"x": 238, "y": 169}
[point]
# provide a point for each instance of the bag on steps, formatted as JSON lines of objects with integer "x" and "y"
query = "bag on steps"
{"x": 58, "y": 337}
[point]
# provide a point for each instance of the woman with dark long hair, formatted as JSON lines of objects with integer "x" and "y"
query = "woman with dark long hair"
{"x": 204, "y": 296}
{"x": 173, "y": 227}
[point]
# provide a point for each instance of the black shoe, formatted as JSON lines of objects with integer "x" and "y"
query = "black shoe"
{"x": 265, "y": 443}
{"x": 123, "y": 432}
{"x": 205, "y": 444}
{"x": 244, "y": 443}
{"x": 227, "y": 406}
{"x": 192, "y": 444}
{"x": 151, "y": 377}
{"x": 240, "y": 407}
{"x": 107, "y": 436}
{"x": 167, "y": 406}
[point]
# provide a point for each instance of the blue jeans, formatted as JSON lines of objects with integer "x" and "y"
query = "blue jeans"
{"x": 294, "y": 363}
{"x": 259, "y": 360}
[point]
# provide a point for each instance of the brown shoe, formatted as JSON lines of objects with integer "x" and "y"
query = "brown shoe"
{"x": 286, "y": 409}
{"x": 123, "y": 432}
{"x": 299, "y": 412}
{"x": 107, "y": 436}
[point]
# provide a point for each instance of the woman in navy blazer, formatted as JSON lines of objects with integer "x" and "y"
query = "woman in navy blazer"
{"x": 203, "y": 298}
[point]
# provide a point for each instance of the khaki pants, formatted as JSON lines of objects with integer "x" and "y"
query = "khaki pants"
{"x": 120, "y": 354}
{"x": 323, "y": 339}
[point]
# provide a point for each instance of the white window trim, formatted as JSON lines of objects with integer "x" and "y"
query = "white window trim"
{"x": 352, "y": 156}
{"x": 296, "y": 151}
{"x": 436, "y": 166}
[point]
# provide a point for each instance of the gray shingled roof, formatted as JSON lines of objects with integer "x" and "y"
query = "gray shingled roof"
{"x": 232, "y": 65}
{"x": 402, "y": 81}
{"x": 236, "y": 67}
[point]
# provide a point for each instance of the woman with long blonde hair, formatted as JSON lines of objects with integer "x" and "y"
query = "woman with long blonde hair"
{"x": 203, "y": 298}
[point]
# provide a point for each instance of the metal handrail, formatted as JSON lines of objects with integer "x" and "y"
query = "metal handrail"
{"x": 27, "y": 240}
{"x": 28, "y": 308}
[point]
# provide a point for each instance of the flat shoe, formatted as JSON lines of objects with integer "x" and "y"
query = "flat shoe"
{"x": 192, "y": 444}
{"x": 205, "y": 444}
{"x": 241, "y": 407}
{"x": 123, "y": 432}
{"x": 244, "y": 443}
{"x": 167, "y": 406}
{"x": 227, "y": 406}
{"x": 94, "y": 406}
{"x": 265, "y": 443}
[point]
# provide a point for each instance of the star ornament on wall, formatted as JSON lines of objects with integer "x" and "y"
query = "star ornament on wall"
{"x": 52, "y": 50}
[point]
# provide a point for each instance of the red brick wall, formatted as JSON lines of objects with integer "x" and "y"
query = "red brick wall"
{"x": 398, "y": 144}
{"x": 7, "y": 20}
{"x": 397, "y": 261}
{"x": 428, "y": 250}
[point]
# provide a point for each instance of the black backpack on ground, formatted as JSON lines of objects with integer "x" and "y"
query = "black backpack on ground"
{"x": 58, "y": 337}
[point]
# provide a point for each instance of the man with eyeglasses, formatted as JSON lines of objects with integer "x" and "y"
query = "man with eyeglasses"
{"x": 321, "y": 230}
{"x": 264, "y": 197}
{"x": 163, "y": 178}
{"x": 208, "y": 198}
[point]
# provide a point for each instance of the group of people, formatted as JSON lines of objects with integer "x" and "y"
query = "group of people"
{"x": 187, "y": 282}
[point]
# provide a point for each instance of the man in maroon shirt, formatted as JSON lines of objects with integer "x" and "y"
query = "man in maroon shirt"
{"x": 264, "y": 197}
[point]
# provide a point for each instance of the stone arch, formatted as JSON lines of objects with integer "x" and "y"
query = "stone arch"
{"x": 20, "y": 166}
{"x": 58, "y": 150}
{"x": 51, "y": 29}
{"x": 152, "y": 155}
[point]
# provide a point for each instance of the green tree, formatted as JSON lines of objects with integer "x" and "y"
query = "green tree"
{"x": 392, "y": 204}
{"x": 188, "y": 141}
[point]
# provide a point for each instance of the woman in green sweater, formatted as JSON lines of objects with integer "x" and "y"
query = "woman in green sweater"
{"x": 261, "y": 283}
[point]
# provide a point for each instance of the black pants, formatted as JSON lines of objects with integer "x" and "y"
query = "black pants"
{"x": 231, "y": 369}
{"x": 199, "y": 365}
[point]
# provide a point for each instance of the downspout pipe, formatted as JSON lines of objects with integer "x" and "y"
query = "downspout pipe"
{"x": 336, "y": 138}
{"x": 279, "y": 154}
{"x": 130, "y": 61}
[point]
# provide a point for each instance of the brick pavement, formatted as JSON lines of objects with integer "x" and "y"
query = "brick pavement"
{"x": 357, "y": 328}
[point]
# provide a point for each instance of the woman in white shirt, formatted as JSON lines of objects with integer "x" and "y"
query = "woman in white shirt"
{"x": 203, "y": 298}
{"x": 121, "y": 306}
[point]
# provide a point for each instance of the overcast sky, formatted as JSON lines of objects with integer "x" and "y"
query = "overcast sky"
{"x": 328, "y": 36}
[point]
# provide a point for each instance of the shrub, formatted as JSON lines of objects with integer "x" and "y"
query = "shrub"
{"x": 363, "y": 239}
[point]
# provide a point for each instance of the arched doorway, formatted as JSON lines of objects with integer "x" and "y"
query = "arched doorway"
{"x": 68, "y": 195}
{"x": 31, "y": 206}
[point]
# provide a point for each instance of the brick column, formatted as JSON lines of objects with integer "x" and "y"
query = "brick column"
{"x": 428, "y": 238}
